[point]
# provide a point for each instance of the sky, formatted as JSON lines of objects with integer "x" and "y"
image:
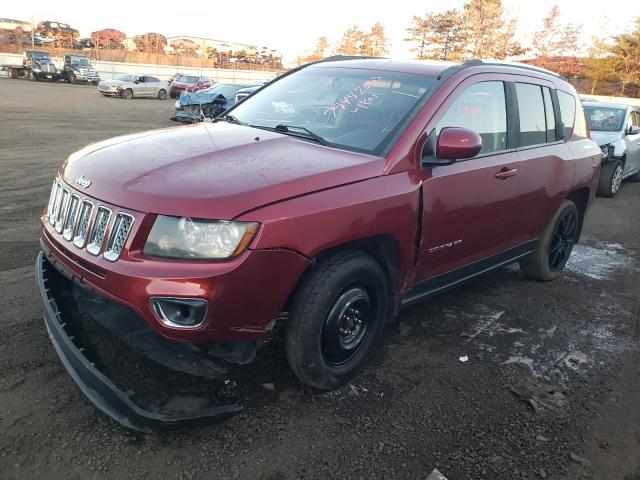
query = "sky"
{"x": 293, "y": 26}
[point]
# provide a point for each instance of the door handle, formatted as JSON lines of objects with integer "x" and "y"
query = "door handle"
{"x": 506, "y": 173}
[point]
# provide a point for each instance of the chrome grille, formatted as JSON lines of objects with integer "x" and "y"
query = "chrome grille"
{"x": 86, "y": 224}
{"x": 62, "y": 211}
{"x": 118, "y": 236}
{"x": 56, "y": 204}
{"x": 83, "y": 224}
{"x": 99, "y": 229}
{"x": 70, "y": 222}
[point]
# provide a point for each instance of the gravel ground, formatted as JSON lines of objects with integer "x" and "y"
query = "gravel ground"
{"x": 549, "y": 389}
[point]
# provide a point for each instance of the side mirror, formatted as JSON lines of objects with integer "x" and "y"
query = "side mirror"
{"x": 633, "y": 130}
{"x": 453, "y": 143}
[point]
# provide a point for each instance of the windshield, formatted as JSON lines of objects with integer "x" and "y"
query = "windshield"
{"x": 81, "y": 61}
{"x": 187, "y": 79}
{"x": 40, "y": 55}
{"x": 352, "y": 108}
{"x": 604, "y": 119}
{"x": 126, "y": 78}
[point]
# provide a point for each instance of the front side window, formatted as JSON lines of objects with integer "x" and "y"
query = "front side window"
{"x": 356, "y": 109}
{"x": 481, "y": 108}
{"x": 533, "y": 123}
{"x": 604, "y": 119}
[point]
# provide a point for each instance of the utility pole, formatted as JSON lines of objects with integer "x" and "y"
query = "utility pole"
{"x": 33, "y": 33}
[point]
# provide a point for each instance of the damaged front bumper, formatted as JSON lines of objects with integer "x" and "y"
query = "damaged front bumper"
{"x": 70, "y": 343}
{"x": 184, "y": 116}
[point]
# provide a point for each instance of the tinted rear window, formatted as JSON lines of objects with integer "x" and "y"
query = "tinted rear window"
{"x": 533, "y": 125}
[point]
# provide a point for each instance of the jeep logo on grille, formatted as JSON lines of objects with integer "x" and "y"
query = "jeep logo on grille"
{"x": 83, "y": 181}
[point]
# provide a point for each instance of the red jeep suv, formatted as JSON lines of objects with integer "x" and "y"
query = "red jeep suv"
{"x": 337, "y": 194}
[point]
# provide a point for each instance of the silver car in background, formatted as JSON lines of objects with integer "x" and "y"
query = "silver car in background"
{"x": 616, "y": 128}
{"x": 134, "y": 86}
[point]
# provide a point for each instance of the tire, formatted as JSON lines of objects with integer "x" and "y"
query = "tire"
{"x": 32, "y": 77}
{"x": 610, "y": 179}
{"x": 72, "y": 78}
{"x": 127, "y": 94}
{"x": 173, "y": 95}
{"x": 162, "y": 94}
{"x": 336, "y": 319}
{"x": 555, "y": 245}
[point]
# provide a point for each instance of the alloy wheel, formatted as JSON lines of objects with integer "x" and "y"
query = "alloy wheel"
{"x": 562, "y": 241}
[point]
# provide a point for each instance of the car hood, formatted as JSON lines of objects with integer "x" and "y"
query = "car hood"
{"x": 181, "y": 84}
{"x": 201, "y": 97}
{"x": 212, "y": 170}
{"x": 602, "y": 138}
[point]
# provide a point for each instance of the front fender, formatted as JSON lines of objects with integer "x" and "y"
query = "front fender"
{"x": 618, "y": 147}
{"x": 310, "y": 224}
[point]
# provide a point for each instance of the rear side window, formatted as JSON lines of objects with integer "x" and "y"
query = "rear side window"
{"x": 567, "y": 112}
{"x": 533, "y": 122}
{"x": 551, "y": 117}
{"x": 481, "y": 108}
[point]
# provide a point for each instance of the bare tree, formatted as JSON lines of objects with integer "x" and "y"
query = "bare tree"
{"x": 555, "y": 44}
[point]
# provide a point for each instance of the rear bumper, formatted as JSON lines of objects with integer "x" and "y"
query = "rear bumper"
{"x": 96, "y": 386}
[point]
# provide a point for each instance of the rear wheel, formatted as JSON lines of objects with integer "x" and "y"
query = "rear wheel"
{"x": 336, "y": 319}
{"x": 162, "y": 94}
{"x": 610, "y": 179}
{"x": 127, "y": 94}
{"x": 555, "y": 246}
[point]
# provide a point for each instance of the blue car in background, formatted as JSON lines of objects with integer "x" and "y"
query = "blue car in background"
{"x": 194, "y": 107}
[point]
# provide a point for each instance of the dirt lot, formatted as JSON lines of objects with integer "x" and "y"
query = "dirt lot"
{"x": 569, "y": 348}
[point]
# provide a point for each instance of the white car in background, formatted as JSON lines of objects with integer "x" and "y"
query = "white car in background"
{"x": 616, "y": 128}
{"x": 134, "y": 86}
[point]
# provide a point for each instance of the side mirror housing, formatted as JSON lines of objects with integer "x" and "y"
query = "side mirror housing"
{"x": 453, "y": 143}
{"x": 633, "y": 130}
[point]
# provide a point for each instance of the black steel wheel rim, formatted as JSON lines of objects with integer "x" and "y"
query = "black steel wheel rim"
{"x": 562, "y": 240}
{"x": 348, "y": 325}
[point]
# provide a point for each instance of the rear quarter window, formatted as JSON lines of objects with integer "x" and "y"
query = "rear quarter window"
{"x": 567, "y": 104}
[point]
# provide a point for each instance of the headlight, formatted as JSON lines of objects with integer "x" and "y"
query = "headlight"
{"x": 184, "y": 237}
{"x": 177, "y": 104}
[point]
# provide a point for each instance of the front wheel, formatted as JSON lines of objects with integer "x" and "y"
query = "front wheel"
{"x": 555, "y": 246}
{"x": 610, "y": 179}
{"x": 127, "y": 94}
{"x": 336, "y": 319}
{"x": 72, "y": 77}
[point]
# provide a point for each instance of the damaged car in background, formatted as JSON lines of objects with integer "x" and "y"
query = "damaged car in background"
{"x": 188, "y": 83}
{"x": 193, "y": 107}
{"x": 616, "y": 128}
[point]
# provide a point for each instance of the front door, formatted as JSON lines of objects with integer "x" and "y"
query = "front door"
{"x": 632, "y": 163}
{"x": 470, "y": 208}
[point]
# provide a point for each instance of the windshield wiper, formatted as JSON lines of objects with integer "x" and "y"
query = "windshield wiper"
{"x": 301, "y": 132}
{"x": 231, "y": 119}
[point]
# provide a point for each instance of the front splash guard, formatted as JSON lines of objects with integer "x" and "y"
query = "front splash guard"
{"x": 97, "y": 387}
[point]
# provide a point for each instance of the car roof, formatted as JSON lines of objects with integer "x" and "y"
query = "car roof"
{"x": 431, "y": 68}
{"x": 592, "y": 103}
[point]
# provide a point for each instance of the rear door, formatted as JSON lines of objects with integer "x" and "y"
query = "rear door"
{"x": 547, "y": 169}
{"x": 470, "y": 208}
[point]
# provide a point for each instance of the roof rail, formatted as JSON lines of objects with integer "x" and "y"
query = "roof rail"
{"x": 505, "y": 63}
{"x": 337, "y": 58}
